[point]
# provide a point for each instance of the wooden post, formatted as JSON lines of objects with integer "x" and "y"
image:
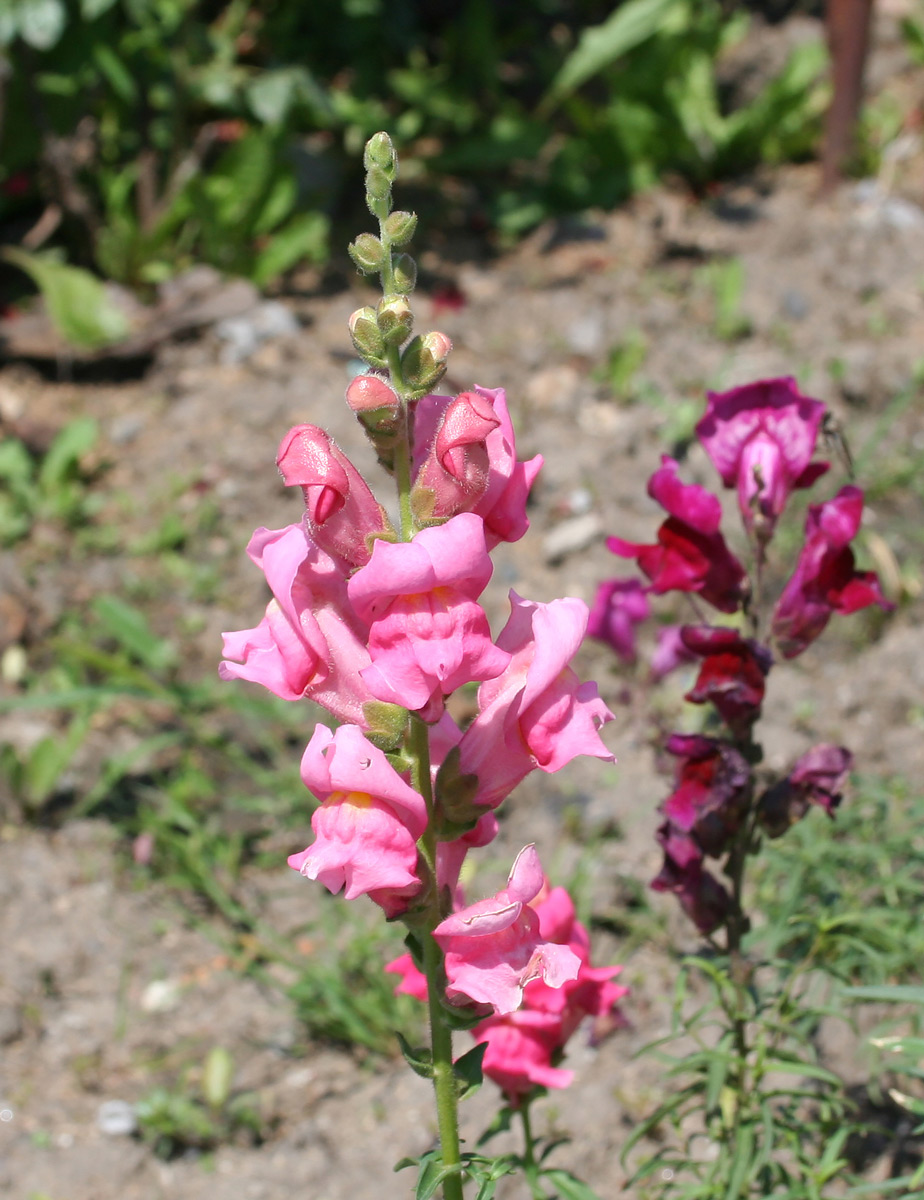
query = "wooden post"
{"x": 848, "y": 25}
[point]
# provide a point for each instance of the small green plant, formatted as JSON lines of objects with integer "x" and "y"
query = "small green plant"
{"x": 620, "y": 372}
{"x": 724, "y": 280}
{"x": 53, "y": 487}
{"x": 199, "y": 1118}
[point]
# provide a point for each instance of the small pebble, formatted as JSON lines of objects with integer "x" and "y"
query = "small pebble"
{"x": 572, "y": 535}
{"x": 116, "y": 1118}
{"x": 160, "y": 996}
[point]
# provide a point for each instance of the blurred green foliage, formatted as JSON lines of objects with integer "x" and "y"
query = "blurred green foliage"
{"x": 172, "y": 131}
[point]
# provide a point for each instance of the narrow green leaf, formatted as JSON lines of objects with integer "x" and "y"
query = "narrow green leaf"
{"x": 569, "y": 1187}
{"x": 741, "y": 1162}
{"x": 131, "y": 630}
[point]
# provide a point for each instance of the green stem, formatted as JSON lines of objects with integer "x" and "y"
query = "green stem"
{"x": 530, "y": 1166}
{"x": 444, "y": 1082}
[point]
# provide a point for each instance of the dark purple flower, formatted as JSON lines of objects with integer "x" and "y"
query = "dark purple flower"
{"x": 825, "y": 580}
{"x": 710, "y": 792}
{"x": 690, "y": 554}
{"x": 619, "y": 606}
{"x": 761, "y": 438}
{"x": 732, "y": 675}
{"x": 705, "y": 901}
{"x": 818, "y": 778}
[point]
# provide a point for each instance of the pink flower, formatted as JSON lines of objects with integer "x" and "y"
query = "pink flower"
{"x": 732, "y": 675}
{"x": 537, "y": 713}
{"x": 309, "y": 643}
{"x": 368, "y": 822}
{"x": 825, "y": 580}
{"x": 427, "y": 634}
{"x": 670, "y": 652}
{"x": 521, "y": 1047}
{"x": 502, "y": 502}
{"x": 761, "y": 437}
{"x": 413, "y": 981}
{"x": 619, "y": 606}
{"x": 494, "y": 948}
{"x": 342, "y": 514}
{"x": 690, "y": 554}
{"x": 456, "y": 470}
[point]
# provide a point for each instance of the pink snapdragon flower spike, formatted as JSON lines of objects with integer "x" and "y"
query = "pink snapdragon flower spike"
{"x": 427, "y": 633}
{"x": 537, "y": 713}
{"x": 494, "y": 948}
{"x": 825, "y": 580}
{"x": 761, "y": 438}
{"x": 341, "y": 512}
{"x": 310, "y": 642}
{"x": 733, "y": 674}
{"x": 369, "y": 820}
{"x": 690, "y": 554}
{"x": 620, "y": 605}
{"x": 456, "y": 471}
{"x": 501, "y": 503}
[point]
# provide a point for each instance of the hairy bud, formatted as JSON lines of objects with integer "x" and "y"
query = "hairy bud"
{"x": 395, "y": 319}
{"x": 400, "y": 227}
{"x": 367, "y": 337}
{"x": 380, "y": 152}
{"x": 368, "y": 253}
{"x": 405, "y": 273}
{"x": 423, "y": 363}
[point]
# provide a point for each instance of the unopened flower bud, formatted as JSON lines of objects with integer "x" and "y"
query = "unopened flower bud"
{"x": 368, "y": 253}
{"x": 378, "y": 410}
{"x": 395, "y": 319}
{"x": 423, "y": 363}
{"x": 366, "y": 335}
{"x": 367, "y": 393}
{"x": 380, "y": 152}
{"x": 400, "y": 227}
{"x": 378, "y": 185}
{"x": 405, "y": 273}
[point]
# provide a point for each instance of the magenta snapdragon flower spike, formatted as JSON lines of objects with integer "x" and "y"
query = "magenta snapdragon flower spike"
{"x": 310, "y": 642}
{"x": 619, "y": 606}
{"x": 494, "y": 948}
{"x": 825, "y": 580}
{"x": 536, "y": 713}
{"x": 369, "y": 820}
{"x": 761, "y": 438}
{"x": 427, "y": 633}
{"x": 690, "y": 554}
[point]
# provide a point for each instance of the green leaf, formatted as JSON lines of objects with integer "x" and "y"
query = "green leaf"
{"x": 468, "y": 1070}
{"x": 131, "y": 630}
{"x": 304, "y": 237}
{"x": 77, "y": 302}
{"x": 91, "y": 9}
{"x": 75, "y": 440}
{"x": 741, "y": 1163}
{"x": 418, "y": 1058}
{"x": 568, "y": 1186}
{"x": 629, "y": 26}
{"x": 41, "y": 22}
{"x": 892, "y": 993}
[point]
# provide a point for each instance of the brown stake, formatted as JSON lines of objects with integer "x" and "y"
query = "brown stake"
{"x": 848, "y": 25}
